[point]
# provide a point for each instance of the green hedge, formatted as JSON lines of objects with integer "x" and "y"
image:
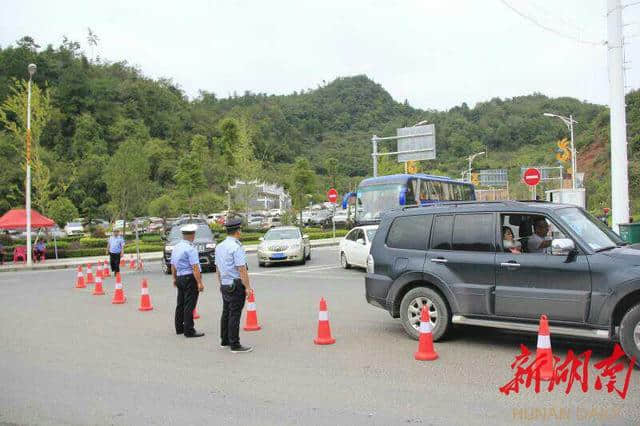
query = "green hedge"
{"x": 97, "y": 251}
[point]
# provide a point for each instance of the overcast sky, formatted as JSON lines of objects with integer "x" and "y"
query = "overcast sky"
{"x": 434, "y": 53}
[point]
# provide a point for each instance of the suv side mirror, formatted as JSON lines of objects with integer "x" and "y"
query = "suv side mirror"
{"x": 562, "y": 247}
{"x": 360, "y": 241}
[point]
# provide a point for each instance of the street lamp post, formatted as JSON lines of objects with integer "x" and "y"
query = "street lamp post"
{"x": 568, "y": 121}
{"x": 471, "y": 158}
{"x": 32, "y": 70}
{"x": 228, "y": 201}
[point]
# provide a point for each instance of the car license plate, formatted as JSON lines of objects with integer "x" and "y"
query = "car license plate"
{"x": 278, "y": 256}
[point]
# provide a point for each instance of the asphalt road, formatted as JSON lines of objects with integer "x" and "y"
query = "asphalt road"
{"x": 67, "y": 357}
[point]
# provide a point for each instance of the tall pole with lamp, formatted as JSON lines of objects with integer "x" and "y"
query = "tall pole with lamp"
{"x": 32, "y": 70}
{"x": 568, "y": 121}
{"x": 471, "y": 158}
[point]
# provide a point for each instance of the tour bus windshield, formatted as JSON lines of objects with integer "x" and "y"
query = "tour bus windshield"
{"x": 377, "y": 198}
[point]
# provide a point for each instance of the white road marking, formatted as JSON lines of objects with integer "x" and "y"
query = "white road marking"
{"x": 302, "y": 269}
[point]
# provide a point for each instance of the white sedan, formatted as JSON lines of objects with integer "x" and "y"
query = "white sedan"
{"x": 284, "y": 244}
{"x": 354, "y": 247}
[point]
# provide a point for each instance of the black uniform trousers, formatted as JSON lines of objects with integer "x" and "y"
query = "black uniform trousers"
{"x": 232, "y": 304}
{"x": 187, "y": 300}
{"x": 114, "y": 259}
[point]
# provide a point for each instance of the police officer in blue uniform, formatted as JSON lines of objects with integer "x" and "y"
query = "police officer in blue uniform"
{"x": 231, "y": 265}
{"x": 185, "y": 268}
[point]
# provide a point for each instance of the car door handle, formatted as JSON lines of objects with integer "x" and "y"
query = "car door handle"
{"x": 439, "y": 260}
{"x": 510, "y": 265}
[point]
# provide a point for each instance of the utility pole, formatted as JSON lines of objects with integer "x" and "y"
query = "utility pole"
{"x": 32, "y": 69}
{"x": 619, "y": 164}
{"x": 374, "y": 155}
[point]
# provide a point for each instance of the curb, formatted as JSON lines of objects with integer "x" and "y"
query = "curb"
{"x": 151, "y": 256}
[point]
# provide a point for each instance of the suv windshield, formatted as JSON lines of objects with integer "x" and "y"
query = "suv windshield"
{"x": 202, "y": 233}
{"x": 282, "y": 234}
{"x": 592, "y": 231}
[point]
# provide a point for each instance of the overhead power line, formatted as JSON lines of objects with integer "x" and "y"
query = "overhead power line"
{"x": 536, "y": 22}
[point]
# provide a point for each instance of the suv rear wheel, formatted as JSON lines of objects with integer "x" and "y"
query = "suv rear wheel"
{"x": 630, "y": 333}
{"x": 411, "y": 308}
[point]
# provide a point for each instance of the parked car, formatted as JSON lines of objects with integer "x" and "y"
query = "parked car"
{"x": 321, "y": 217}
{"x": 340, "y": 218}
{"x": 204, "y": 241}
{"x": 354, "y": 247}
{"x": 284, "y": 244}
{"x": 74, "y": 228}
{"x": 254, "y": 221}
{"x": 156, "y": 224}
{"x": 55, "y": 231}
{"x": 451, "y": 259}
{"x": 270, "y": 222}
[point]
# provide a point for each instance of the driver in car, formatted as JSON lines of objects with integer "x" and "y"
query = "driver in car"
{"x": 538, "y": 242}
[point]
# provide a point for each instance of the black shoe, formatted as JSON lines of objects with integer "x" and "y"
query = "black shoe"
{"x": 241, "y": 349}
{"x": 224, "y": 345}
{"x": 179, "y": 332}
{"x": 196, "y": 334}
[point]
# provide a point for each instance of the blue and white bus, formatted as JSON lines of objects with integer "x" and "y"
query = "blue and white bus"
{"x": 379, "y": 194}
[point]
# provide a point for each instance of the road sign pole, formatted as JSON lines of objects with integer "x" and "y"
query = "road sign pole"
{"x": 374, "y": 142}
{"x": 333, "y": 221}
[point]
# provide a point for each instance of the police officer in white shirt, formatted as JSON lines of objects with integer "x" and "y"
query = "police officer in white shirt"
{"x": 185, "y": 268}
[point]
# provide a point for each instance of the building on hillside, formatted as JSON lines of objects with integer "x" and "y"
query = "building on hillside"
{"x": 257, "y": 195}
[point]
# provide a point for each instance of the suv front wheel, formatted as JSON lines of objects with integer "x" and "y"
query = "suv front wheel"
{"x": 411, "y": 308}
{"x": 630, "y": 333}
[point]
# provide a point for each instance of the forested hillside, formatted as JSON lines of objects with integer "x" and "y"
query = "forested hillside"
{"x": 109, "y": 141}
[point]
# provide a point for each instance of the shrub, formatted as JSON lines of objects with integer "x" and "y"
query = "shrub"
{"x": 98, "y": 232}
{"x": 90, "y": 242}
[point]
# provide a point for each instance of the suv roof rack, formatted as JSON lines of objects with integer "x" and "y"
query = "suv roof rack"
{"x": 455, "y": 203}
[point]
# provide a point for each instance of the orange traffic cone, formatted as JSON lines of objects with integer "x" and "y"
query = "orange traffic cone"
{"x": 425, "y": 344}
{"x": 105, "y": 270}
{"x": 195, "y": 313}
{"x": 132, "y": 264}
{"x": 97, "y": 290}
{"x": 118, "y": 295}
{"x": 324, "y": 329}
{"x": 145, "y": 300}
{"x": 122, "y": 261}
{"x": 251, "y": 323}
{"x": 90, "y": 279}
{"x": 99, "y": 270}
{"x": 543, "y": 352}
{"x": 80, "y": 278}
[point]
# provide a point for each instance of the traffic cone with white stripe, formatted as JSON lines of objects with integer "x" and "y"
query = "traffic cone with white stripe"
{"x": 80, "y": 278}
{"x": 105, "y": 270}
{"x": 425, "y": 344}
{"x": 90, "y": 279}
{"x": 145, "y": 300}
{"x": 251, "y": 323}
{"x": 196, "y": 315}
{"x": 324, "y": 329}
{"x": 98, "y": 270}
{"x": 132, "y": 264}
{"x": 97, "y": 290}
{"x": 118, "y": 295}
{"x": 543, "y": 353}
{"x": 122, "y": 261}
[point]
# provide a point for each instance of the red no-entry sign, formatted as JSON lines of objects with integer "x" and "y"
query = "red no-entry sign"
{"x": 531, "y": 177}
{"x": 332, "y": 195}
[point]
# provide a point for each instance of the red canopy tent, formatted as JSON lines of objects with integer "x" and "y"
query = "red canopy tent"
{"x": 17, "y": 218}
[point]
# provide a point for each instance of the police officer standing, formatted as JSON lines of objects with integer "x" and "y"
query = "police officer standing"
{"x": 185, "y": 268}
{"x": 231, "y": 263}
{"x": 114, "y": 248}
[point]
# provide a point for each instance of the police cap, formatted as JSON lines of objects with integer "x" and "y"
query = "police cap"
{"x": 189, "y": 228}
{"x": 233, "y": 223}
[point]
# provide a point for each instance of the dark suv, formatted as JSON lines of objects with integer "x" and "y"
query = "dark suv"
{"x": 204, "y": 241}
{"x": 503, "y": 264}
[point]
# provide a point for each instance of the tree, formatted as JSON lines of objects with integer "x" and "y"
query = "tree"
{"x": 62, "y": 210}
{"x": 331, "y": 164}
{"x": 127, "y": 178}
{"x": 190, "y": 178}
{"x": 14, "y": 118}
{"x": 302, "y": 183}
{"x": 208, "y": 202}
{"x": 163, "y": 206}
